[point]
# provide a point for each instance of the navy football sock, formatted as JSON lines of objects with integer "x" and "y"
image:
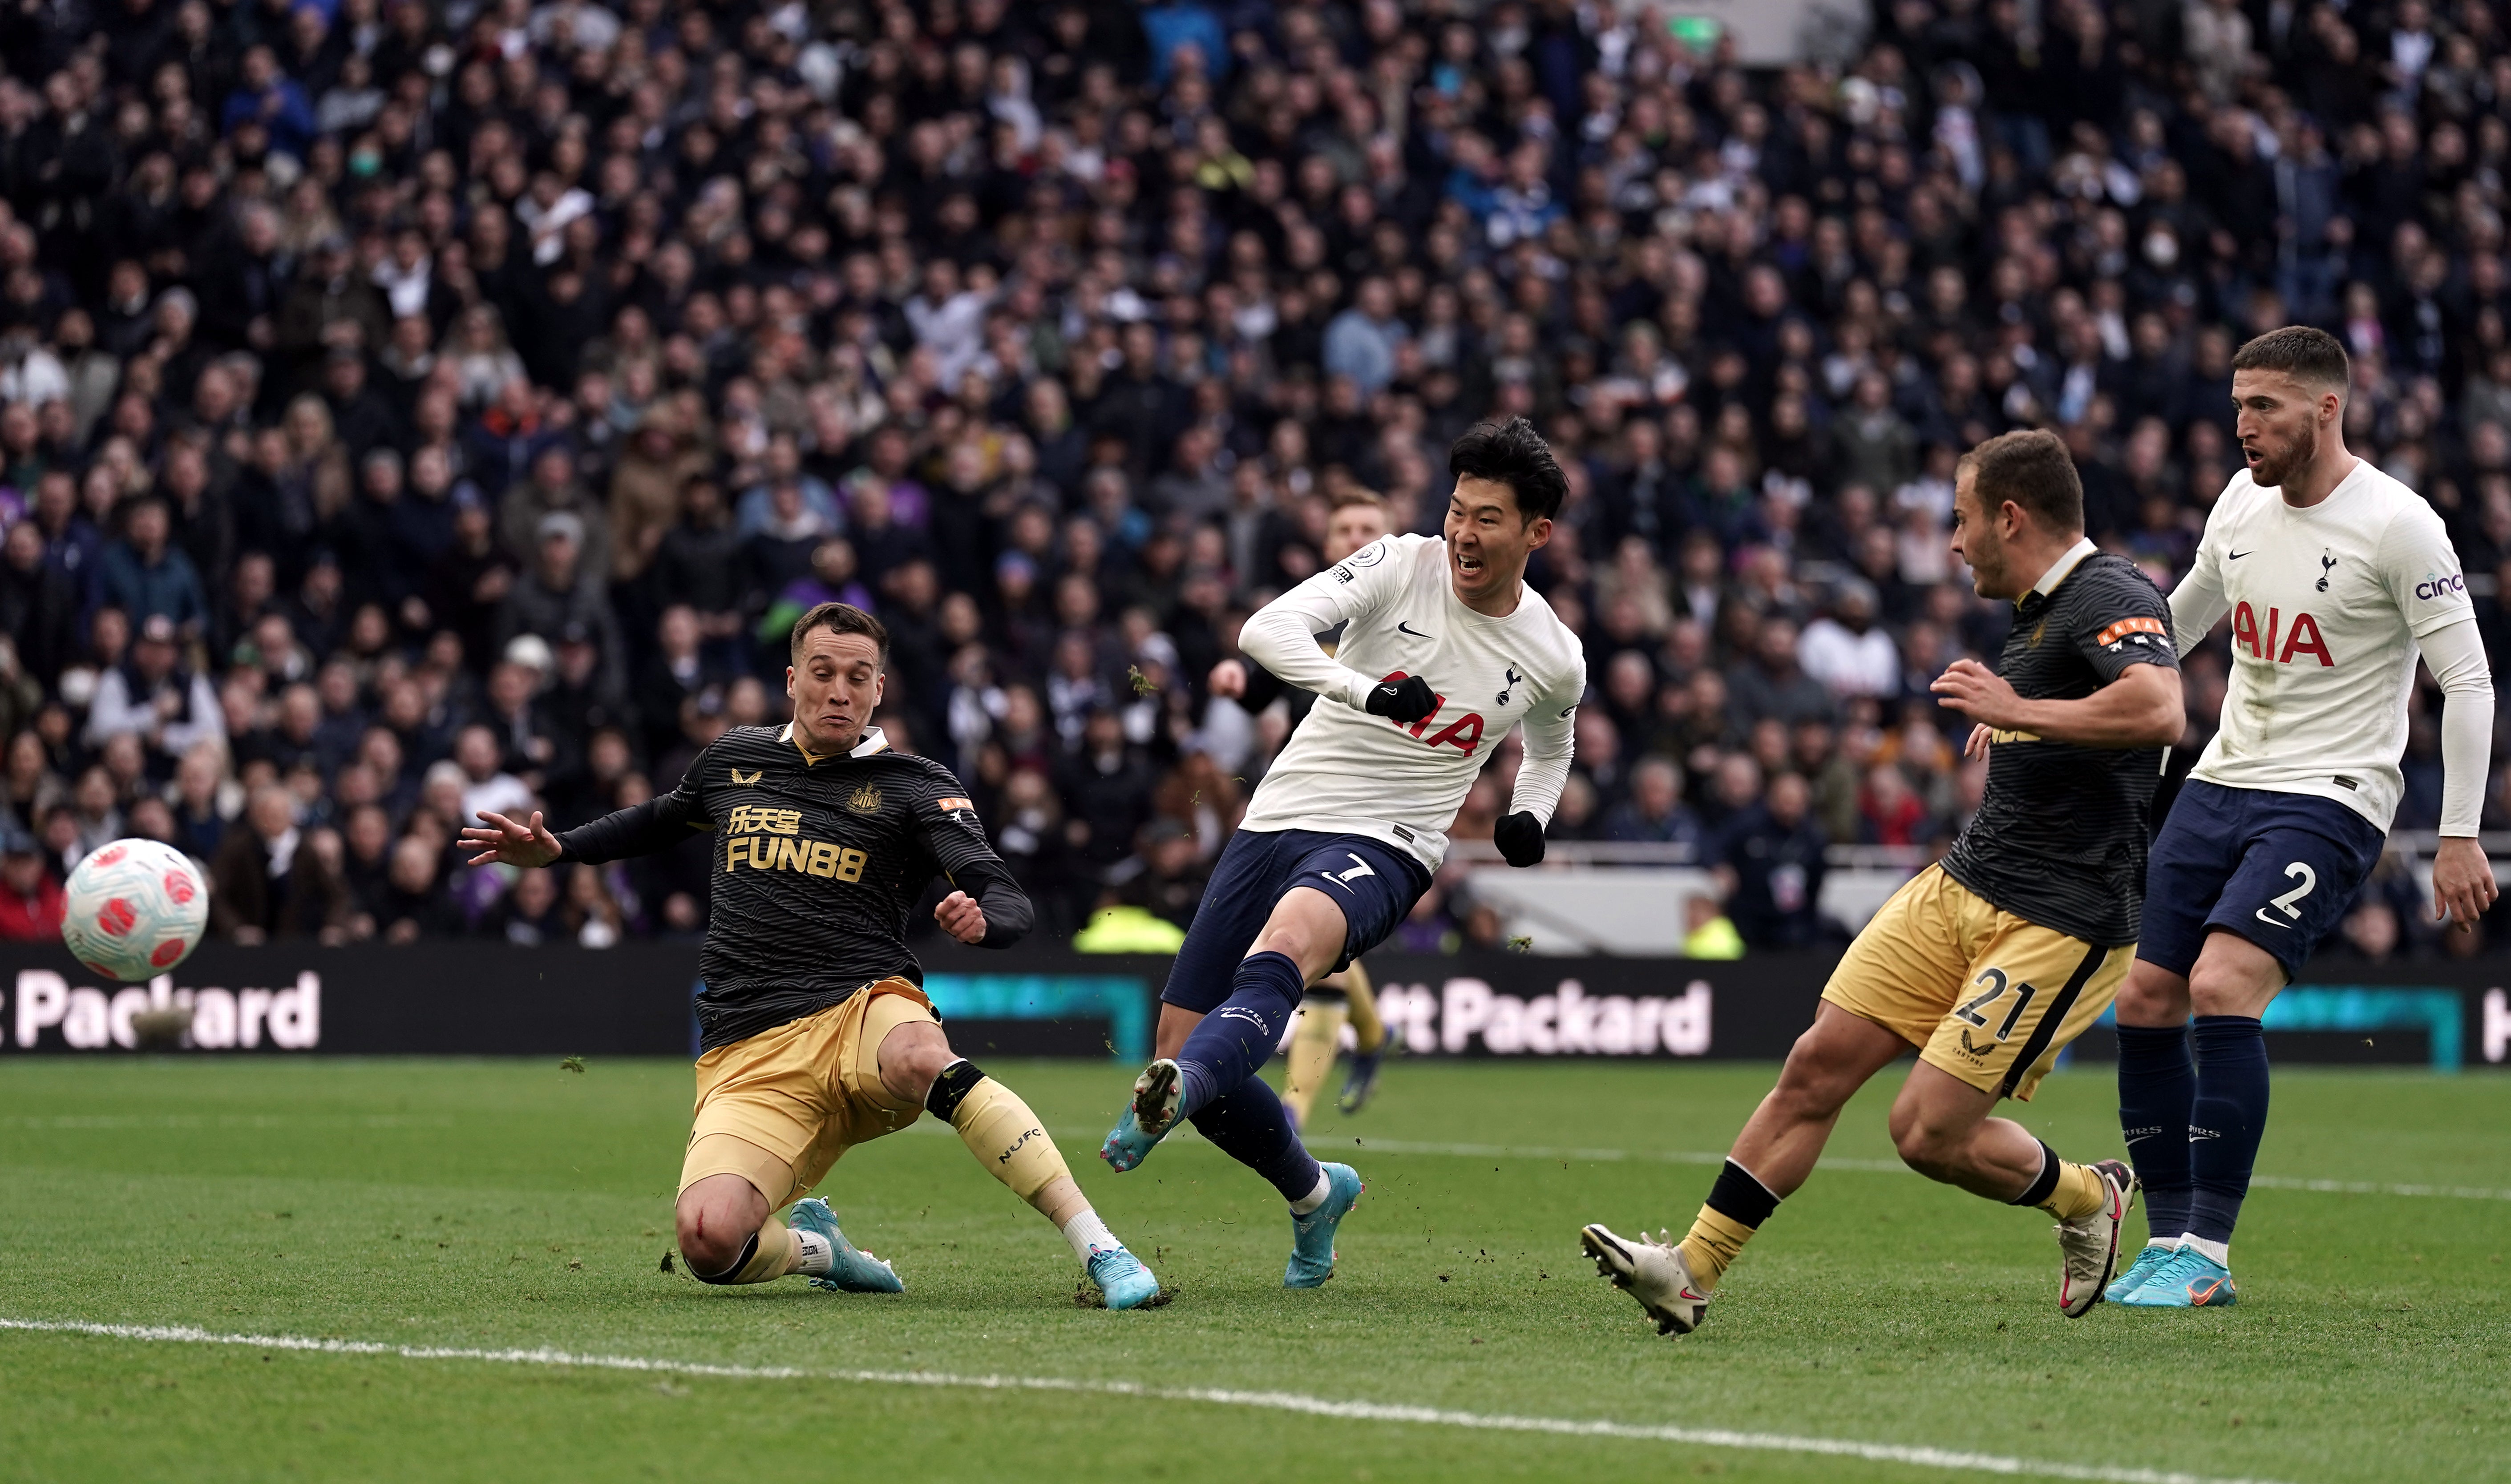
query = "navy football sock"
{"x": 1249, "y": 1125}
{"x": 2157, "y": 1088}
{"x": 1227, "y": 1047}
{"x": 2224, "y": 1125}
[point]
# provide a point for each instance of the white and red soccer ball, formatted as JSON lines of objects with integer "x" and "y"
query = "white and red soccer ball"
{"x": 134, "y": 909}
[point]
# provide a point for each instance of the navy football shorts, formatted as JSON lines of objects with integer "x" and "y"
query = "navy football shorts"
{"x": 1374, "y": 883}
{"x": 2280, "y": 869}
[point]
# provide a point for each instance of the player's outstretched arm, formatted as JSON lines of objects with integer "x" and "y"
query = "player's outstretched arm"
{"x": 2141, "y": 709}
{"x": 640, "y": 829}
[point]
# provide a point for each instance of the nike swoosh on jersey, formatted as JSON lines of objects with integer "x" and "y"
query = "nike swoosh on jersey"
{"x": 1401, "y": 627}
{"x": 2234, "y": 555}
{"x": 2269, "y": 921}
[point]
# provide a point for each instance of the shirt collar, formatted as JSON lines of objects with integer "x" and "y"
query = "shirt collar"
{"x": 872, "y": 742}
{"x": 2063, "y": 568}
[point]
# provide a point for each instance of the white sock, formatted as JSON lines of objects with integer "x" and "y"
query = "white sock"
{"x": 2166, "y": 1243}
{"x": 1313, "y": 1199}
{"x": 814, "y": 1253}
{"x": 1087, "y": 1236}
{"x": 2220, "y": 1251}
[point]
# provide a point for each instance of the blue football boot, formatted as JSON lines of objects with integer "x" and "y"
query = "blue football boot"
{"x": 2147, "y": 1263}
{"x": 1147, "y": 1119}
{"x": 1122, "y": 1279}
{"x": 1312, "y": 1236}
{"x": 2189, "y": 1280}
{"x": 849, "y": 1270}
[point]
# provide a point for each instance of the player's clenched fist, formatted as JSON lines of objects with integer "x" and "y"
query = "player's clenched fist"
{"x": 961, "y": 917}
{"x": 1406, "y": 699}
{"x": 1519, "y": 838}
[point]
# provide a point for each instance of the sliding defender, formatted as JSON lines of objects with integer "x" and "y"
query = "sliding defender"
{"x": 815, "y": 1035}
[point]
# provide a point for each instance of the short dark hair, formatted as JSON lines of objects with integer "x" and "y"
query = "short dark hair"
{"x": 2033, "y": 468}
{"x": 842, "y": 618}
{"x": 1513, "y": 454}
{"x": 2297, "y": 349}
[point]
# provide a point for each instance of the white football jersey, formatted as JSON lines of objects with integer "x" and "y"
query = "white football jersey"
{"x": 2327, "y": 606}
{"x": 1346, "y": 772}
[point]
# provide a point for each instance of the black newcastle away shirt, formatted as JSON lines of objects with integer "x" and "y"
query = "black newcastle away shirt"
{"x": 2060, "y": 838}
{"x": 815, "y": 865}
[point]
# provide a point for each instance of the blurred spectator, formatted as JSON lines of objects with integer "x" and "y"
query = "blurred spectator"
{"x": 268, "y": 882}
{"x": 1771, "y": 685}
{"x": 31, "y": 899}
{"x": 1846, "y": 651}
{"x": 146, "y": 577}
{"x": 1163, "y": 876}
{"x": 529, "y": 913}
{"x": 1775, "y": 852}
{"x": 1654, "y": 812}
{"x": 155, "y": 698}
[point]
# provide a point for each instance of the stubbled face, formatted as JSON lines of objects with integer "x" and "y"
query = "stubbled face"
{"x": 1487, "y": 540}
{"x": 835, "y": 683}
{"x": 1976, "y": 540}
{"x": 2279, "y": 421}
{"x": 1352, "y": 527}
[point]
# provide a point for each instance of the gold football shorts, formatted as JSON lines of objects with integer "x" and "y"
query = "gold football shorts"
{"x": 780, "y": 1108}
{"x": 1985, "y": 995}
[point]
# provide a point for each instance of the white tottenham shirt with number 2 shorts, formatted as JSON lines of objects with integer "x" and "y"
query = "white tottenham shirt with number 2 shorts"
{"x": 1345, "y": 772}
{"x": 2331, "y": 605}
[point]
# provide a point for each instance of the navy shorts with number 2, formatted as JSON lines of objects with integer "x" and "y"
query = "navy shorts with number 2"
{"x": 1374, "y": 883}
{"x": 2280, "y": 869}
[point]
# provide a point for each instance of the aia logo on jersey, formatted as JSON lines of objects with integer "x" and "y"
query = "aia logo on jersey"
{"x": 2300, "y": 639}
{"x": 1465, "y": 733}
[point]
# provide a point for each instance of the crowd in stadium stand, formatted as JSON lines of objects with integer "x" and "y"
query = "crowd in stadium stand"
{"x": 410, "y": 408}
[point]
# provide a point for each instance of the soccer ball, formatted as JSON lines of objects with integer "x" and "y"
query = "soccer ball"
{"x": 133, "y": 909}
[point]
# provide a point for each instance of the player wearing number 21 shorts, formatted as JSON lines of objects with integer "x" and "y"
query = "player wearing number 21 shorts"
{"x": 1992, "y": 960}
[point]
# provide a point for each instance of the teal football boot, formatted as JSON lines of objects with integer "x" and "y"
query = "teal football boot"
{"x": 2189, "y": 1280}
{"x": 1149, "y": 1118}
{"x": 1312, "y": 1236}
{"x": 1122, "y": 1279}
{"x": 849, "y": 1270}
{"x": 2147, "y": 1263}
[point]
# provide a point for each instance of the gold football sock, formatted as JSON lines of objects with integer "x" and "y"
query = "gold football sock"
{"x": 768, "y": 1257}
{"x": 1737, "y": 1206}
{"x": 1714, "y": 1242}
{"x": 2079, "y": 1193}
{"x": 1366, "y": 1027}
{"x": 1314, "y": 1041}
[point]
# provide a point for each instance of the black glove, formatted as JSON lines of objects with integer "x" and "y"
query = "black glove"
{"x": 1519, "y": 838}
{"x": 1406, "y": 700}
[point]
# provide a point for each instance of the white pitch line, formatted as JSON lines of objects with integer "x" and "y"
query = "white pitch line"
{"x": 1268, "y": 1401}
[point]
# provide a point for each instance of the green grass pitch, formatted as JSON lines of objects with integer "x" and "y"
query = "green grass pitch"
{"x": 514, "y": 1205}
